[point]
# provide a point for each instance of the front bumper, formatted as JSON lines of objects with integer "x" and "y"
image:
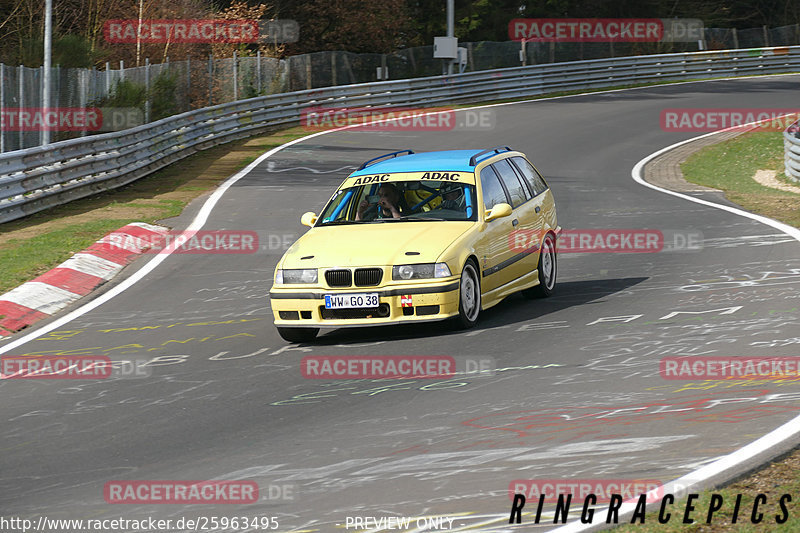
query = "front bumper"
{"x": 305, "y": 307}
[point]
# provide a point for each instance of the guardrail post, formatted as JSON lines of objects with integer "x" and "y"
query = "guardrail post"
{"x": 147, "y": 90}
{"x": 235, "y": 77}
{"x": 553, "y": 52}
{"x": 333, "y": 68}
{"x": 766, "y": 35}
{"x": 308, "y": 71}
{"x": 735, "y": 39}
{"x": 121, "y": 70}
{"x": 108, "y": 79}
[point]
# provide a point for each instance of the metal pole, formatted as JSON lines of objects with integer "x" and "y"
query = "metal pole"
{"x": 48, "y": 44}
{"x": 766, "y": 35}
{"x": 333, "y": 68}
{"x": 139, "y": 34}
{"x": 735, "y": 39}
{"x": 121, "y": 70}
{"x": 188, "y": 83}
{"x": 108, "y": 79}
{"x": 21, "y": 105}
{"x": 258, "y": 71}
{"x": 450, "y": 30}
{"x": 147, "y": 90}
{"x": 210, "y": 74}
{"x": 235, "y": 78}
{"x": 83, "y": 79}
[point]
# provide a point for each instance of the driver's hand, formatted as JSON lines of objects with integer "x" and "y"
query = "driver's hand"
{"x": 363, "y": 206}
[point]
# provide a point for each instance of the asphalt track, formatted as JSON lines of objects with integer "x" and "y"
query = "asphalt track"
{"x": 575, "y": 396}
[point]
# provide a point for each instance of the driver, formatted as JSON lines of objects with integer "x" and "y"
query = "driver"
{"x": 452, "y": 197}
{"x": 389, "y": 205}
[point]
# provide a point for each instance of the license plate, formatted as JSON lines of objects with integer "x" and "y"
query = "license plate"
{"x": 349, "y": 301}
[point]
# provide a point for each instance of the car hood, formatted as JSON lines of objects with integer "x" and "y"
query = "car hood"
{"x": 374, "y": 244}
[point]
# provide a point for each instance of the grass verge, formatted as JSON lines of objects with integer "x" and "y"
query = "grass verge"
{"x": 773, "y": 481}
{"x": 731, "y": 165}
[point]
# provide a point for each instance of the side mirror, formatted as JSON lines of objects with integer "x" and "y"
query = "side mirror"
{"x": 498, "y": 211}
{"x": 308, "y": 219}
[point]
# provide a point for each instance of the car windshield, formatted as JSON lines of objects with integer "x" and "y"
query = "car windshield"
{"x": 401, "y": 201}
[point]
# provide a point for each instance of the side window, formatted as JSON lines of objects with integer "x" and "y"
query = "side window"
{"x": 531, "y": 176}
{"x": 493, "y": 192}
{"x": 518, "y": 193}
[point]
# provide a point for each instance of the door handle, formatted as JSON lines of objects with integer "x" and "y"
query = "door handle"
{"x": 514, "y": 222}
{"x": 538, "y": 209}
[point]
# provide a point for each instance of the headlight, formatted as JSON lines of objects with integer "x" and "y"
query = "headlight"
{"x": 422, "y": 271}
{"x": 296, "y": 275}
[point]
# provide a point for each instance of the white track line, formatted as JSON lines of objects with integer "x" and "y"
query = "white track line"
{"x": 789, "y": 430}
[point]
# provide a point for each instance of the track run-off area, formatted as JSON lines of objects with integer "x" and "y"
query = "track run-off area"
{"x": 576, "y": 394}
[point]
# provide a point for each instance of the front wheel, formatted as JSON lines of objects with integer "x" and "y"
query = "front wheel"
{"x": 547, "y": 270}
{"x": 298, "y": 334}
{"x": 469, "y": 301}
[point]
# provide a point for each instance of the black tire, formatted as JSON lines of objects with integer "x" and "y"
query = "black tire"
{"x": 469, "y": 297}
{"x": 548, "y": 269}
{"x": 298, "y": 334}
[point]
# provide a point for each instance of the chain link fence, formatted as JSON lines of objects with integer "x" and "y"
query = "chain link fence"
{"x": 156, "y": 91}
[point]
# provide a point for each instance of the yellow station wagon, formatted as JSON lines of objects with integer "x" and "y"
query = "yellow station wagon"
{"x": 420, "y": 237}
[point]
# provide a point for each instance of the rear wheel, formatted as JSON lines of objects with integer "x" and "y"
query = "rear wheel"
{"x": 548, "y": 268}
{"x": 298, "y": 334}
{"x": 469, "y": 301}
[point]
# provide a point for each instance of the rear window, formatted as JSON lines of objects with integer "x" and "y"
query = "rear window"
{"x": 533, "y": 178}
{"x": 516, "y": 190}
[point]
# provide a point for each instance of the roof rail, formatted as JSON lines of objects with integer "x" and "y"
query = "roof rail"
{"x": 497, "y": 149}
{"x": 365, "y": 164}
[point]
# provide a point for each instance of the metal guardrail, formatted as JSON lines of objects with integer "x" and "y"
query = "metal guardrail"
{"x": 35, "y": 179}
{"x": 791, "y": 150}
